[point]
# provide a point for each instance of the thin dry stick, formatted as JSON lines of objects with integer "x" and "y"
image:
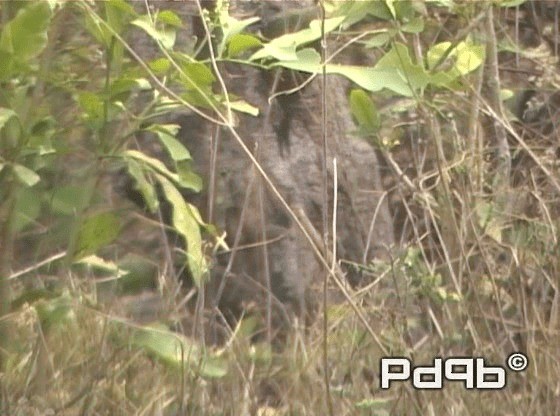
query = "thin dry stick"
{"x": 503, "y": 156}
{"x": 325, "y": 208}
{"x": 335, "y": 203}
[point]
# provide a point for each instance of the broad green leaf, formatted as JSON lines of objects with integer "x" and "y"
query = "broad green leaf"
{"x": 164, "y": 36}
{"x": 188, "y": 179}
{"x": 364, "y": 111}
{"x": 283, "y": 48}
{"x": 27, "y": 209}
{"x": 160, "y": 65}
{"x": 67, "y": 200}
{"x": 142, "y": 185}
{"x": 125, "y": 85}
{"x": 169, "y": 18}
{"x": 240, "y": 43}
{"x": 415, "y": 25}
{"x": 379, "y": 40}
{"x": 177, "y": 351}
{"x": 96, "y": 232}
{"x": 118, "y": 14}
{"x": 412, "y": 78}
{"x": 158, "y": 166}
{"x": 152, "y": 163}
{"x": 92, "y": 105}
{"x": 371, "y": 79}
{"x": 25, "y": 36}
{"x": 469, "y": 57}
{"x": 197, "y": 75}
{"x": 186, "y": 221}
{"x": 277, "y": 51}
{"x": 465, "y": 57}
{"x": 231, "y": 27}
{"x": 166, "y": 134}
{"x": 306, "y": 60}
{"x": 5, "y": 115}
{"x": 25, "y": 175}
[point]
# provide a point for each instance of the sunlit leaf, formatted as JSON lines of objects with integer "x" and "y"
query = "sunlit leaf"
{"x": 240, "y": 43}
{"x": 5, "y": 115}
{"x": 186, "y": 222}
{"x": 25, "y": 175}
{"x": 283, "y": 48}
{"x": 164, "y": 36}
{"x": 244, "y": 107}
{"x": 25, "y": 36}
{"x": 412, "y": 78}
{"x": 177, "y": 351}
{"x": 166, "y": 134}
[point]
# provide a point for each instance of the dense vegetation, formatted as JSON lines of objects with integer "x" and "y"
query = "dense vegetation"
{"x": 461, "y": 101}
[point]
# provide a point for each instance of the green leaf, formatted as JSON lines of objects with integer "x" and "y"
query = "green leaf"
{"x": 415, "y": 25}
{"x": 379, "y": 40}
{"x": 283, "y": 48}
{"x": 391, "y": 6}
{"x": 5, "y": 115}
{"x": 177, "y": 351}
{"x": 469, "y": 57}
{"x": 158, "y": 166}
{"x": 118, "y": 14}
{"x": 152, "y": 163}
{"x": 25, "y": 175}
{"x": 67, "y": 200}
{"x": 142, "y": 185}
{"x": 164, "y": 36}
{"x": 240, "y": 43}
{"x": 232, "y": 27}
{"x": 411, "y": 78}
{"x": 169, "y": 18}
{"x": 188, "y": 179}
{"x": 186, "y": 220}
{"x": 96, "y": 232}
{"x": 244, "y": 107}
{"x": 166, "y": 134}
{"x": 371, "y": 79}
{"x": 27, "y": 209}
{"x": 92, "y": 105}
{"x": 125, "y": 85}
{"x": 25, "y": 36}
{"x": 464, "y": 58}
{"x": 160, "y": 65}
{"x": 364, "y": 111}
{"x": 197, "y": 75}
